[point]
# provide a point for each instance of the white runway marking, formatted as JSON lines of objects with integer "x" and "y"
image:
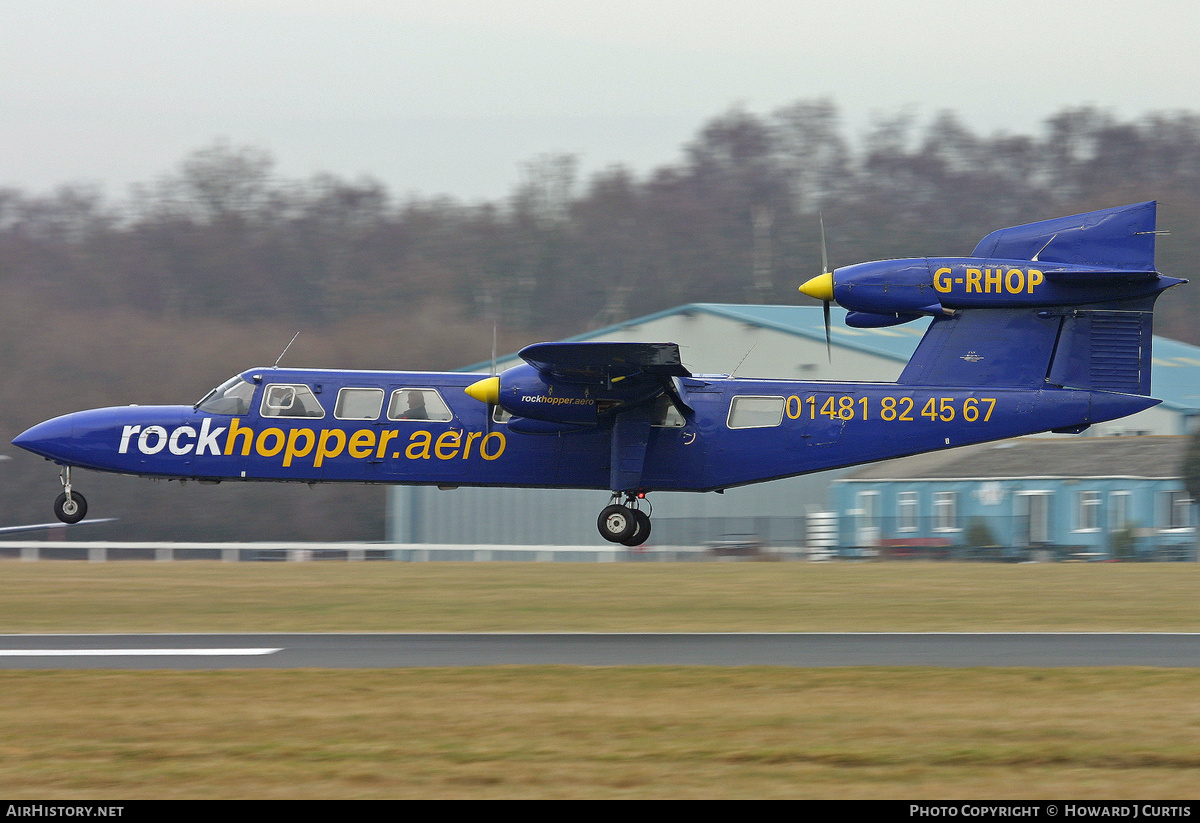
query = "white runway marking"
{"x": 134, "y": 652}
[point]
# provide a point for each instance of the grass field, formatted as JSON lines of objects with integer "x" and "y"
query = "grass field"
{"x": 600, "y": 732}
{"x": 69, "y": 596}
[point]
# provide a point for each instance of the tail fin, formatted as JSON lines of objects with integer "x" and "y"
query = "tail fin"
{"x": 1066, "y": 302}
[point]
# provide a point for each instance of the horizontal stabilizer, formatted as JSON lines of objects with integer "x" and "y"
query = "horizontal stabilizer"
{"x": 1120, "y": 238}
{"x": 594, "y": 362}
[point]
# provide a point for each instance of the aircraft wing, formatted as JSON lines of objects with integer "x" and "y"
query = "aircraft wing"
{"x": 604, "y": 362}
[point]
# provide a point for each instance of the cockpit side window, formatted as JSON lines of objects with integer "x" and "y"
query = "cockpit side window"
{"x": 290, "y": 400}
{"x": 231, "y": 397}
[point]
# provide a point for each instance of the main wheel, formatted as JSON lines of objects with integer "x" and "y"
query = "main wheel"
{"x": 641, "y": 532}
{"x": 616, "y": 523}
{"x": 72, "y": 510}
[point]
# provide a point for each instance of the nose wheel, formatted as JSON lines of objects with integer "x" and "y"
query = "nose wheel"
{"x": 624, "y": 523}
{"x": 70, "y": 506}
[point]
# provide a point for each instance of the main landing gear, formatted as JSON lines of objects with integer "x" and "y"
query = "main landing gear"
{"x": 70, "y": 506}
{"x": 625, "y": 523}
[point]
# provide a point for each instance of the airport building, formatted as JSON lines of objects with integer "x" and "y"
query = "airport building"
{"x": 786, "y": 342}
{"x": 1060, "y": 498}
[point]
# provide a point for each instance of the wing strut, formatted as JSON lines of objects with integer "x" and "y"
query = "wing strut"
{"x": 630, "y": 434}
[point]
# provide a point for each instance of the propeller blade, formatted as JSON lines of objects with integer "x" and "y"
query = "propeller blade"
{"x": 824, "y": 254}
{"x": 828, "y": 337}
{"x": 493, "y": 371}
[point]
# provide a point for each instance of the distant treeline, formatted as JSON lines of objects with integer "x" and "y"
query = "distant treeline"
{"x": 736, "y": 221}
{"x": 211, "y": 269}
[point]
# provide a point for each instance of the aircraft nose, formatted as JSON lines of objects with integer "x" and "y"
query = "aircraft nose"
{"x": 51, "y": 439}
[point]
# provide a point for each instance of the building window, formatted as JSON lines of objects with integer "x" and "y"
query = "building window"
{"x": 1087, "y": 511}
{"x": 907, "y": 511}
{"x": 1177, "y": 511}
{"x": 866, "y": 519}
{"x": 1033, "y": 517}
{"x": 1118, "y": 511}
{"x": 945, "y": 511}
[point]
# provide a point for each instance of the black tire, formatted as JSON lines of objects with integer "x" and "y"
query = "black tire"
{"x": 616, "y": 523}
{"x": 70, "y": 511}
{"x": 641, "y": 533}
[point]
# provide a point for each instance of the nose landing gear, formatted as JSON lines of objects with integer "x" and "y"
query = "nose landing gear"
{"x": 625, "y": 523}
{"x": 70, "y": 506}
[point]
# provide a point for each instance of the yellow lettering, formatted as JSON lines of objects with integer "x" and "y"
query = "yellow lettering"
{"x": 471, "y": 438}
{"x": 384, "y": 438}
{"x": 483, "y": 446}
{"x": 323, "y": 449}
{"x": 1035, "y": 278}
{"x": 261, "y": 447}
{"x": 942, "y": 285}
{"x": 973, "y": 277}
{"x": 447, "y": 440}
{"x": 421, "y": 439}
{"x": 293, "y": 437}
{"x": 236, "y": 429}
{"x": 1017, "y": 285}
{"x": 361, "y": 443}
{"x": 990, "y": 280}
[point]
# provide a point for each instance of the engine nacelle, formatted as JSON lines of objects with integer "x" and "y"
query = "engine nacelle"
{"x": 888, "y": 292}
{"x": 867, "y": 320}
{"x": 577, "y": 385}
{"x": 526, "y": 392}
{"x": 887, "y": 287}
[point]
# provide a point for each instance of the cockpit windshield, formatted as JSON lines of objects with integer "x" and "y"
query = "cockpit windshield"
{"x": 231, "y": 397}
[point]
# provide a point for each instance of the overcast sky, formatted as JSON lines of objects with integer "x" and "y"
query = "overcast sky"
{"x": 451, "y": 96}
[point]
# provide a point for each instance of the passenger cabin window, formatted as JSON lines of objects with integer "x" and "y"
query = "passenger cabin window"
{"x": 418, "y": 404}
{"x": 665, "y": 414}
{"x": 358, "y": 404}
{"x": 287, "y": 400}
{"x": 755, "y": 412}
{"x": 231, "y": 397}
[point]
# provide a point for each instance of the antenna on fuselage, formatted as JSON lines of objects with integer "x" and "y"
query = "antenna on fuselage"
{"x": 743, "y": 360}
{"x": 285, "y": 348}
{"x": 492, "y": 373}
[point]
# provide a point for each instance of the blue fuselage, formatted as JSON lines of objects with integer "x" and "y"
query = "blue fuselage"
{"x": 774, "y": 429}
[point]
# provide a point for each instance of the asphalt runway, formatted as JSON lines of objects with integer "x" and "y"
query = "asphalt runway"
{"x": 341, "y": 651}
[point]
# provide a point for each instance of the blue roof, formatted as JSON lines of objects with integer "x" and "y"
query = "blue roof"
{"x": 1176, "y": 376}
